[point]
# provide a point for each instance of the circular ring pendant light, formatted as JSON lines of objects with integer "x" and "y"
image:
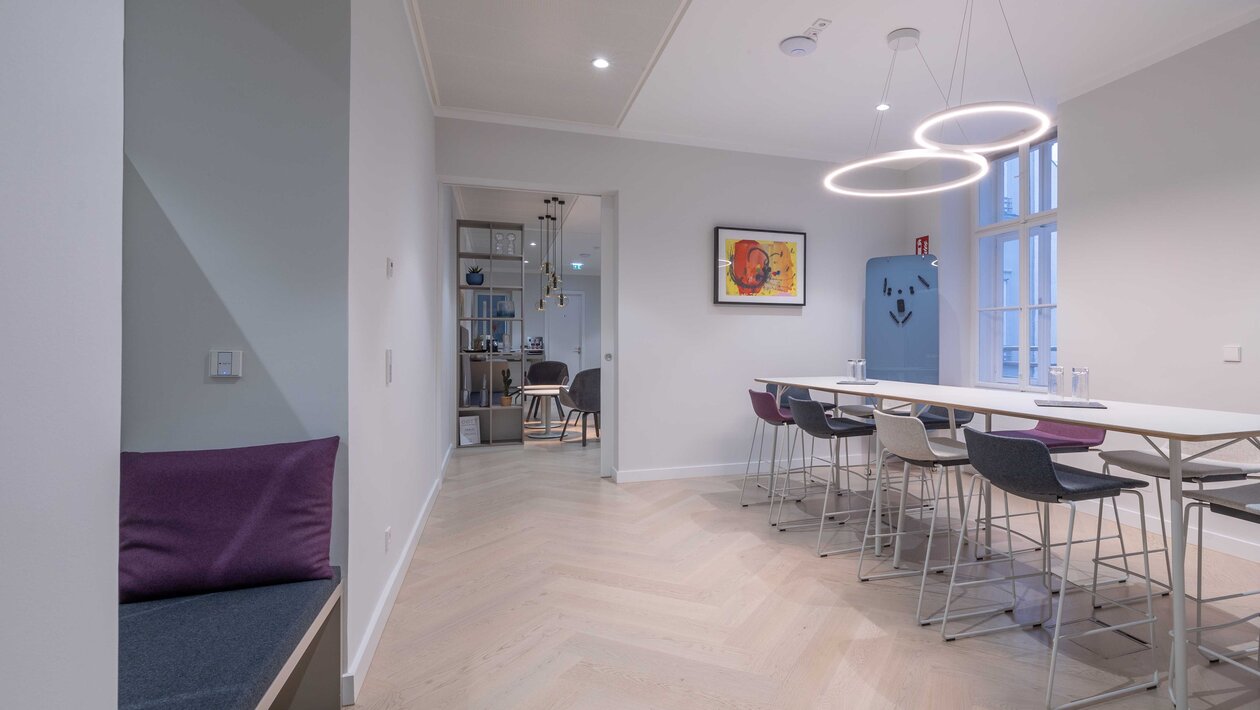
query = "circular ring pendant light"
{"x": 983, "y": 108}
{"x": 979, "y": 168}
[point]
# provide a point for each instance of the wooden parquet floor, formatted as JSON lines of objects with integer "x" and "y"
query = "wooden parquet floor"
{"x": 538, "y": 585}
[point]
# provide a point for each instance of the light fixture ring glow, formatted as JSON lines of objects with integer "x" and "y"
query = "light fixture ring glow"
{"x": 979, "y": 164}
{"x": 984, "y": 107}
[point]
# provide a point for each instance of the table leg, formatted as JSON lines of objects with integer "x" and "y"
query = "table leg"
{"x": 987, "y": 493}
{"x": 548, "y": 432}
{"x": 1179, "y": 684}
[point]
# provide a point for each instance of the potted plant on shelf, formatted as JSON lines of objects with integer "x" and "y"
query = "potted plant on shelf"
{"x": 506, "y": 399}
{"x": 474, "y": 277}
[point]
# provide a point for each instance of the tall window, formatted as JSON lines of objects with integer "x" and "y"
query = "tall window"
{"x": 1017, "y": 267}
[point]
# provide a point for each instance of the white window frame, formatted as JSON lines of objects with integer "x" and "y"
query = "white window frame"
{"x": 1021, "y": 225}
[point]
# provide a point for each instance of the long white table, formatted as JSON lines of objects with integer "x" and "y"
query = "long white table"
{"x": 1176, "y": 425}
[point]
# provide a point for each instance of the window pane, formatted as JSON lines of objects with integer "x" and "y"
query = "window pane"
{"x": 1043, "y": 344}
{"x": 999, "y": 346}
{"x": 1043, "y": 264}
{"x": 1043, "y": 176}
{"x": 999, "y": 270}
{"x": 999, "y": 191}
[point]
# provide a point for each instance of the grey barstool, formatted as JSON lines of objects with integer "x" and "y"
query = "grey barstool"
{"x": 906, "y": 438}
{"x": 1241, "y": 503}
{"x": 1023, "y": 468}
{"x": 1196, "y": 470}
{"x": 811, "y": 418}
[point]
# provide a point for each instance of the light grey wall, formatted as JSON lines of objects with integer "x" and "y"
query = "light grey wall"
{"x": 396, "y": 452}
{"x": 671, "y": 337}
{"x": 946, "y": 219}
{"x": 235, "y": 222}
{"x": 60, "y": 282}
{"x": 1159, "y": 176}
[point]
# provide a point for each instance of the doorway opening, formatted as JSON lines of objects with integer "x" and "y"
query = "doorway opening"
{"x": 536, "y": 315}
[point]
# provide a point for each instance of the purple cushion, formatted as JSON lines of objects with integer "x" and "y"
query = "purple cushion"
{"x": 202, "y": 521}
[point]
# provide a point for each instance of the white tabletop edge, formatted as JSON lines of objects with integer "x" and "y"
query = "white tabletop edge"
{"x": 1181, "y": 423}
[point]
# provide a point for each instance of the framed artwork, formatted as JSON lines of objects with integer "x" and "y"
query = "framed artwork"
{"x": 759, "y": 266}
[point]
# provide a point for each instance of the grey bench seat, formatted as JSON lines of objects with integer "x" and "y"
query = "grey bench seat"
{"x": 226, "y": 650}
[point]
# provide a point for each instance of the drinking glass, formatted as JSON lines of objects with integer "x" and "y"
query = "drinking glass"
{"x": 857, "y": 370}
{"x": 1080, "y": 383}
{"x": 1054, "y": 382}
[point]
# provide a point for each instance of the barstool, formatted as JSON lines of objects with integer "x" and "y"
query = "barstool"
{"x": 906, "y": 438}
{"x": 1061, "y": 438}
{"x": 1242, "y": 503}
{"x": 811, "y": 417}
{"x": 1023, "y": 468}
{"x": 1198, "y": 471}
{"x": 768, "y": 414}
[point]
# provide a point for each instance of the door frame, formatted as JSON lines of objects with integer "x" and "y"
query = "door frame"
{"x": 608, "y": 287}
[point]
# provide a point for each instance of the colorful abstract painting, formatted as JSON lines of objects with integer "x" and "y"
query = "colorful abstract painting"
{"x": 757, "y": 266}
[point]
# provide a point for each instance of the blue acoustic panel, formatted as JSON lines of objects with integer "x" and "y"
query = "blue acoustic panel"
{"x": 903, "y": 319}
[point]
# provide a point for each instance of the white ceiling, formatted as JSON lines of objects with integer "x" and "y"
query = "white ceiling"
{"x": 581, "y": 220}
{"x": 720, "y": 80}
{"x": 533, "y": 57}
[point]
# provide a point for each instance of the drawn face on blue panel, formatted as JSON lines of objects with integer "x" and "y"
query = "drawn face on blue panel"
{"x": 900, "y": 295}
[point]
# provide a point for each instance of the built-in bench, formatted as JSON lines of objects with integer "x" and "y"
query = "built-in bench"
{"x": 276, "y": 646}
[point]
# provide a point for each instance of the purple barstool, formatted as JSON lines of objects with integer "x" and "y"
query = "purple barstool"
{"x": 768, "y": 414}
{"x": 1060, "y": 438}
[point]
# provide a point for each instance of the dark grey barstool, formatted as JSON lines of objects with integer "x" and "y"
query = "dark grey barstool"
{"x": 811, "y": 417}
{"x": 582, "y": 397}
{"x": 1023, "y": 468}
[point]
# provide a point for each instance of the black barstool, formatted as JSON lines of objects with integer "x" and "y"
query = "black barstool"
{"x": 811, "y": 417}
{"x": 1023, "y": 468}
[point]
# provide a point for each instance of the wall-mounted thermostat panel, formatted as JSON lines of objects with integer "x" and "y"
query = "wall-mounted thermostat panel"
{"x": 225, "y": 363}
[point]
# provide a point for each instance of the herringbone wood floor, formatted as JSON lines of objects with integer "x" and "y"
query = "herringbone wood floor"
{"x": 538, "y": 585}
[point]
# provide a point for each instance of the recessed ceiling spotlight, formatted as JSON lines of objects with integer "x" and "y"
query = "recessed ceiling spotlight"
{"x": 533, "y": 244}
{"x": 601, "y": 63}
{"x": 882, "y": 107}
{"x": 798, "y": 46}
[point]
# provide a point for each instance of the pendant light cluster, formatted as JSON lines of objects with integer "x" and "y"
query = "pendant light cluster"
{"x": 551, "y": 232}
{"x": 970, "y": 154}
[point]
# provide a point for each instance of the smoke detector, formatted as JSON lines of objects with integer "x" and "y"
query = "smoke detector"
{"x": 798, "y": 46}
{"x": 806, "y": 42}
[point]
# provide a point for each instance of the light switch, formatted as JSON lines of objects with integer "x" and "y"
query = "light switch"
{"x": 225, "y": 363}
{"x": 1233, "y": 353}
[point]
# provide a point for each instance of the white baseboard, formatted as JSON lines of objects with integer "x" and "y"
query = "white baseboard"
{"x": 356, "y": 671}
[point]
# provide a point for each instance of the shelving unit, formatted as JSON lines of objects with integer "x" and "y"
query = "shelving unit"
{"x": 492, "y": 309}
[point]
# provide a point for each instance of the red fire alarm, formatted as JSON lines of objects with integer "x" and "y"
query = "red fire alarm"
{"x": 921, "y": 245}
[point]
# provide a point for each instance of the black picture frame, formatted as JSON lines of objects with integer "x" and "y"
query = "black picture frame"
{"x": 725, "y": 266}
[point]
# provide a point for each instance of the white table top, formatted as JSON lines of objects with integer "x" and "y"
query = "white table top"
{"x": 542, "y": 390}
{"x": 1149, "y": 419}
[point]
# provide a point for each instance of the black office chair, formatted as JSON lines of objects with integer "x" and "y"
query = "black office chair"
{"x": 547, "y": 372}
{"x": 582, "y": 397}
{"x": 1023, "y": 468}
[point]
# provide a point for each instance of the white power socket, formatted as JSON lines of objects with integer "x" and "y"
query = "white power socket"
{"x": 389, "y": 536}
